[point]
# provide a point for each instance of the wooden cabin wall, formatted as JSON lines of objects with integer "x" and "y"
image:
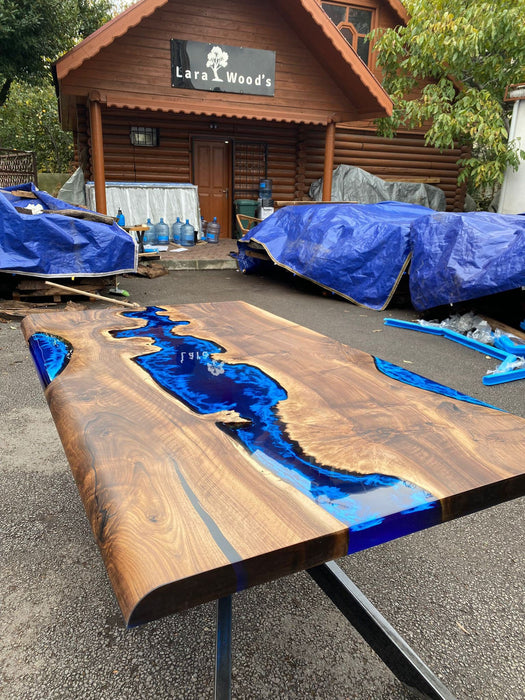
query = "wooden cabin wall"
{"x": 295, "y": 153}
{"x": 171, "y": 160}
{"x": 404, "y": 157}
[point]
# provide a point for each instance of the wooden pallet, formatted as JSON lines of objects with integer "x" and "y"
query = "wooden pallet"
{"x": 31, "y": 287}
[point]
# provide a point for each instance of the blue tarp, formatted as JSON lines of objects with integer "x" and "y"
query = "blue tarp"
{"x": 358, "y": 251}
{"x": 457, "y": 257}
{"x": 53, "y": 245}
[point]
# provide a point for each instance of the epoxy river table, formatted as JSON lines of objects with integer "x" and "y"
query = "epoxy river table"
{"x": 216, "y": 446}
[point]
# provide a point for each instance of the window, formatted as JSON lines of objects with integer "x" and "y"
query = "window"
{"x": 250, "y": 166}
{"x": 144, "y": 136}
{"x": 354, "y": 23}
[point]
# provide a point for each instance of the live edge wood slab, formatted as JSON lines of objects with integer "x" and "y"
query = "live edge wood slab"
{"x": 216, "y": 446}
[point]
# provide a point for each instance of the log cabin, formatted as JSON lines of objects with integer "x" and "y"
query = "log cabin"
{"x": 225, "y": 93}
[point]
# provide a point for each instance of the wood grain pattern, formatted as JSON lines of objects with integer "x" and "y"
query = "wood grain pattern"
{"x": 183, "y": 513}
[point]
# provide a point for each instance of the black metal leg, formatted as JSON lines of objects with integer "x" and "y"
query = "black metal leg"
{"x": 223, "y": 649}
{"x": 378, "y": 633}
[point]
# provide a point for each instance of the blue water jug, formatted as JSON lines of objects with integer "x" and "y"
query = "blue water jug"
{"x": 121, "y": 221}
{"x": 187, "y": 235}
{"x": 176, "y": 231}
{"x": 163, "y": 232}
{"x": 213, "y": 231}
{"x": 149, "y": 235}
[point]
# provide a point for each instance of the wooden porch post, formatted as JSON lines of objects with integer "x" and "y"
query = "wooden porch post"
{"x": 328, "y": 161}
{"x": 97, "y": 154}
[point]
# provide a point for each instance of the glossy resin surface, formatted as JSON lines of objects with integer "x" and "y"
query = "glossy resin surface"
{"x": 218, "y": 446}
{"x": 191, "y": 369}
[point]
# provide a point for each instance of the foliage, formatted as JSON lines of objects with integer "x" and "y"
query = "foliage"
{"x": 465, "y": 53}
{"x": 34, "y": 33}
{"x": 29, "y": 122}
{"x": 119, "y": 6}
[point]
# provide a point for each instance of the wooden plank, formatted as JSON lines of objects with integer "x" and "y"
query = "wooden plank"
{"x": 22, "y": 194}
{"x": 190, "y": 501}
{"x": 410, "y": 178}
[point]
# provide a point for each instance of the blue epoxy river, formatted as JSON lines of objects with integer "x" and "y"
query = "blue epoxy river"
{"x": 190, "y": 369}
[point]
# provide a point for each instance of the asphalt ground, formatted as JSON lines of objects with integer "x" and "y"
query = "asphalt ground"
{"x": 455, "y": 592}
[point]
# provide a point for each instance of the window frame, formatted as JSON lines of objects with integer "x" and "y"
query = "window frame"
{"x": 359, "y": 5}
{"x": 137, "y": 131}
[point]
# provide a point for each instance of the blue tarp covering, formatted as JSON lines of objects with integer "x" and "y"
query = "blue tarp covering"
{"x": 457, "y": 257}
{"x": 52, "y": 245}
{"x": 356, "y": 250}
{"x": 360, "y": 251}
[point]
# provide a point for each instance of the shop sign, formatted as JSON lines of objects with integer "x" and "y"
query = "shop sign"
{"x": 220, "y": 68}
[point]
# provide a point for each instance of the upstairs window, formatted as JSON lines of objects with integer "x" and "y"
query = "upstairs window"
{"x": 354, "y": 23}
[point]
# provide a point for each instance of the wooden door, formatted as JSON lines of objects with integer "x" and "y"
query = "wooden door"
{"x": 212, "y": 175}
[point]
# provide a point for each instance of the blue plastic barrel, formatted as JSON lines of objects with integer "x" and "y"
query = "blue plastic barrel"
{"x": 149, "y": 235}
{"x": 163, "y": 232}
{"x": 213, "y": 231}
{"x": 176, "y": 230}
{"x": 187, "y": 234}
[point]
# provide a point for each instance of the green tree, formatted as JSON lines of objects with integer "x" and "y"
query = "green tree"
{"x": 465, "y": 53}
{"x": 34, "y": 33}
{"x": 29, "y": 122}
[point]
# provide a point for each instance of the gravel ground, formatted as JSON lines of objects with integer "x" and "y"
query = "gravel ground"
{"x": 455, "y": 592}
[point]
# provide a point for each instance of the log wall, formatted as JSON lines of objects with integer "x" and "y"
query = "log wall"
{"x": 171, "y": 160}
{"x": 404, "y": 157}
{"x": 295, "y": 153}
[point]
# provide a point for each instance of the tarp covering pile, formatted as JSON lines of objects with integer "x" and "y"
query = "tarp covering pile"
{"x": 54, "y": 245}
{"x": 360, "y": 251}
{"x": 356, "y": 250}
{"x": 352, "y": 184}
{"x": 457, "y": 257}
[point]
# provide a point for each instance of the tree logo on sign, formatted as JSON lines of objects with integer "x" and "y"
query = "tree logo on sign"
{"x": 217, "y": 58}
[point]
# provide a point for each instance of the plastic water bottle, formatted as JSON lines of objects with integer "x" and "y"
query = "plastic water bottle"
{"x": 163, "y": 232}
{"x": 213, "y": 231}
{"x": 175, "y": 231}
{"x": 149, "y": 235}
{"x": 187, "y": 235}
{"x": 121, "y": 221}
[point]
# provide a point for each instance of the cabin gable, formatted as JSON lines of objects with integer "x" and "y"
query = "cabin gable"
{"x": 135, "y": 71}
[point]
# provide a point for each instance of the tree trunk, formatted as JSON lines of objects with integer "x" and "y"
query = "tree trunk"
{"x": 4, "y": 91}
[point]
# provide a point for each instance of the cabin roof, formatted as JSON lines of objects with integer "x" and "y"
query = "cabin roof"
{"x": 307, "y": 18}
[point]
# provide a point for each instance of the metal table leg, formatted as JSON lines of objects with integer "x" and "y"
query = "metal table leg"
{"x": 223, "y": 649}
{"x": 378, "y": 633}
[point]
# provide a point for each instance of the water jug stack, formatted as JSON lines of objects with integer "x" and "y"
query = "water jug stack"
{"x": 176, "y": 231}
{"x": 213, "y": 231}
{"x": 149, "y": 235}
{"x": 163, "y": 232}
{"x": 187, "y": 235}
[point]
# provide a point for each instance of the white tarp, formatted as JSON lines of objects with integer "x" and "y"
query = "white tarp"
{"x": 140, "y": 201}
